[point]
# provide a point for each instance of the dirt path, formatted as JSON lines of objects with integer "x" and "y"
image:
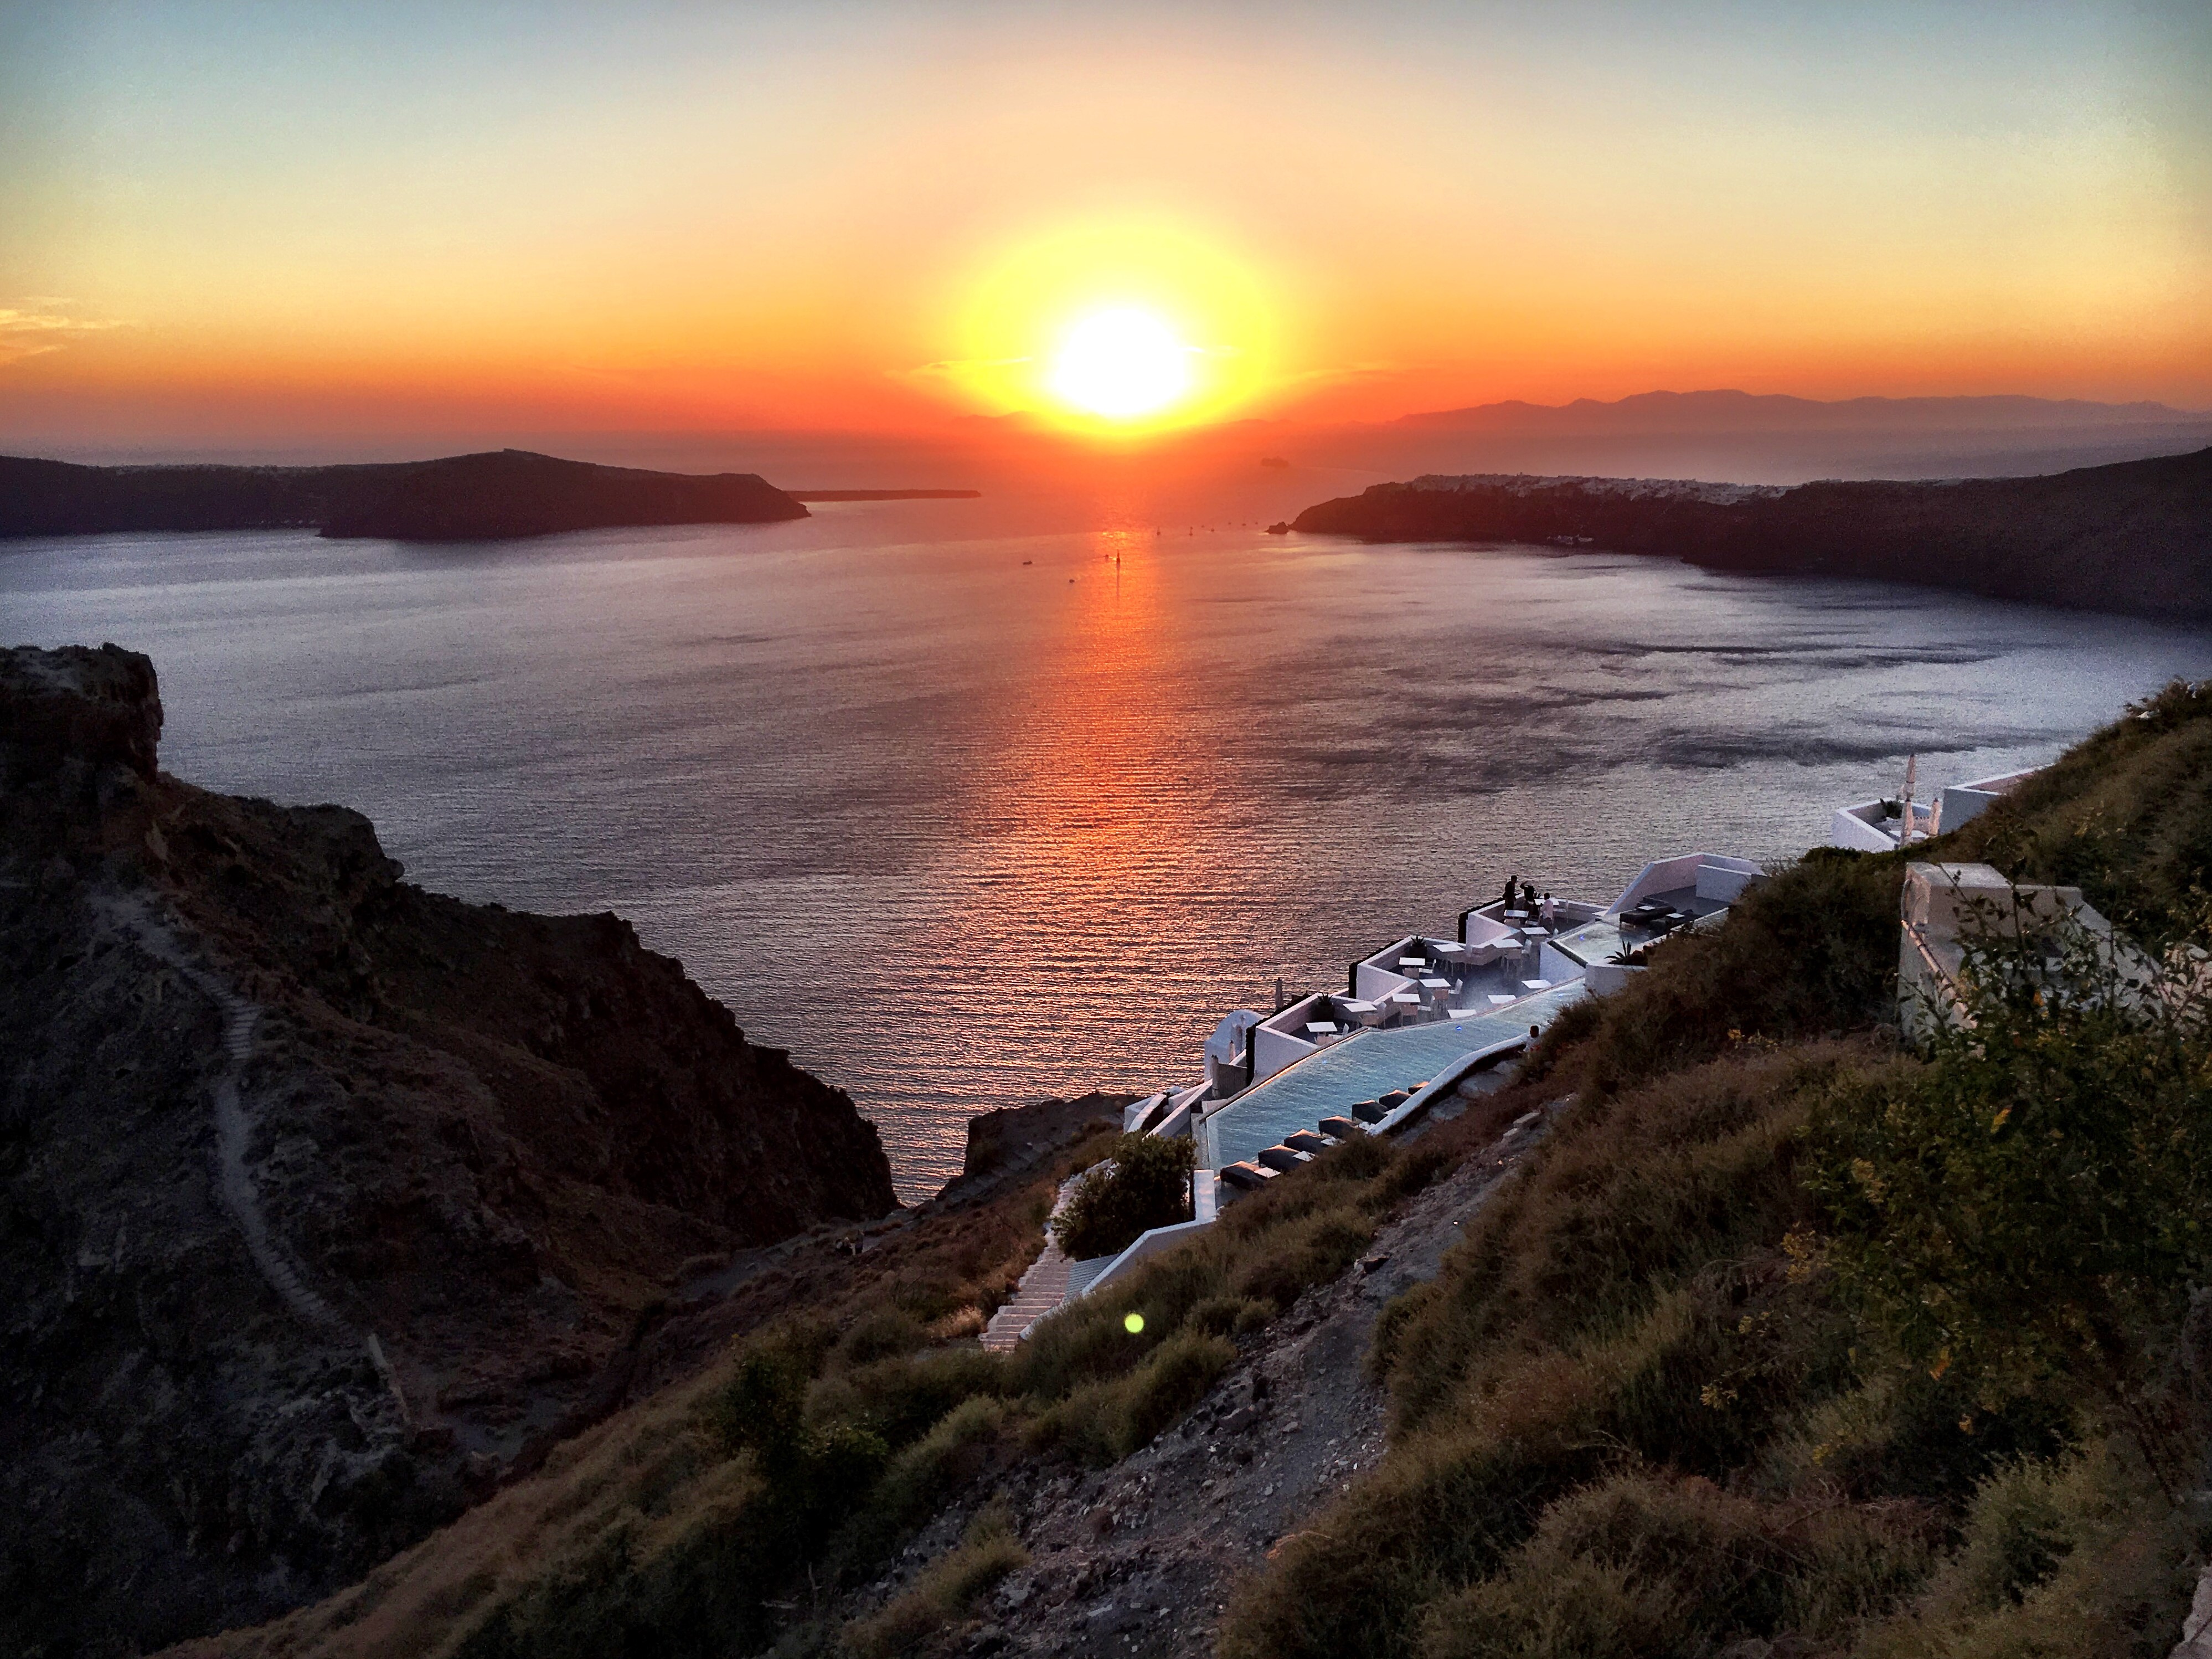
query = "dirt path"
{"x": 136, "y": 920}
{"x": 1139, "y": 1560}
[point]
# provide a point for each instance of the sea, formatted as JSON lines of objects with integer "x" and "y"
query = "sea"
{"x": 967, "y": 811}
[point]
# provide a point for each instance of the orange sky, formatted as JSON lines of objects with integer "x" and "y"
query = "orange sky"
{"x": 236, "y": 222}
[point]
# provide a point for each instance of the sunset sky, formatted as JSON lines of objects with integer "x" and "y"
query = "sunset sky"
{"x": 235, "y": 221}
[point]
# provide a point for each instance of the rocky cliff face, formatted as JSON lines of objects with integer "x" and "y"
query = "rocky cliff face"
{"x": 2134, "y": 538}
{"x": 509, "y": 493}
{"x": 322, "y": 1198}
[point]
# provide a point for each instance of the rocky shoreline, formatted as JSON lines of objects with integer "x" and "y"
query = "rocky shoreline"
{"x": 2134, "y": 538}
{"x": 511, "y": 493}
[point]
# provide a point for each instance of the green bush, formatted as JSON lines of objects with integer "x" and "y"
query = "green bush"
{"x": 1810, "y": 952}
{"x": 1147, "y": 1185}
{"x": 2126, "y": 816}
{"x": 2016, "y": 1534}
{"x": 1105, "y": 1422}
{"x": 2072, "y": 1558}
{"x": 2029, "y": 1208}
{"x": 901, "y": 1397}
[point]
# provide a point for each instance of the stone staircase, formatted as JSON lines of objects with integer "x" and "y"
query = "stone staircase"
{"x": 1043, "y": 1288}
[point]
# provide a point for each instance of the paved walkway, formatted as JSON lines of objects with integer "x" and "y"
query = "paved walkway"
{"x": 1043, "y": 1288}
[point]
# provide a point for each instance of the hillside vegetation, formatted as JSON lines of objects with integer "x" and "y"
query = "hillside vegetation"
{"x": 1786, "y": 1339}
{"x": 1790, "y": 1336}
{"x": 734, "y": 1510}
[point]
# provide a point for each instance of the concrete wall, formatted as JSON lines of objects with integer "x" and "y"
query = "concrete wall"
{"x": 1443, "y": 1082}
{"x": 1726, "y": 878}
{"x": 1965, "y": 802}
{"x": 1853, "y": 827}
{"x": 1273, "y": 1049}
{"x": 1604, "y": 978}
{"x": 1723, "y": 879}
{"x": 1660, "y": 876}
{"x": 1147, "y": 1245}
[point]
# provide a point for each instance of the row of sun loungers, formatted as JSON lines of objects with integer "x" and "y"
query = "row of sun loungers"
{"x": 1302, "y": 1145}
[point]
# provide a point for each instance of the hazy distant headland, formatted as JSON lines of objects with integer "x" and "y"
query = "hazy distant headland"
{"x": 2134, "y": 538}
{"x": 884, "y": 494}
{"x": 491, "y": 496}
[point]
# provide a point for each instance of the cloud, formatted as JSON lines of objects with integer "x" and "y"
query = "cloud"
{"x": 41, "y": 327}
{"x": 1348, "y": 374}
{"x": 954, "y": 368}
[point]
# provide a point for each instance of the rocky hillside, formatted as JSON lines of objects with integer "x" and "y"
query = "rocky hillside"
{"x": 1728, "y": 1326}
{"x": 2136, "y": 537}
{"x": 458, "y": 498}
{"x": 323, "y": 1200}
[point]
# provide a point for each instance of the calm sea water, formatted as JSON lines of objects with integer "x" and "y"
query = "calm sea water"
{"x": 965, "y": 818}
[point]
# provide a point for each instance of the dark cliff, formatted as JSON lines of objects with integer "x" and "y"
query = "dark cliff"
{"x": 461, "y": 498}
{"x": 2134, "y": 538}
{"x": 322, "y": 1198}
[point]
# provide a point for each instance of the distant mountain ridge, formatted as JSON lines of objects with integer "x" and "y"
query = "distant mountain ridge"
{"x": 1723, "y": 411}
{"x": 491, "y": 496}
{"x": 2134, "y": 538}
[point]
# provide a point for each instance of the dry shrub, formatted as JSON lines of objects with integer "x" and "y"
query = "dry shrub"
{"x": 961, "y": 1322}
{"x": 2126, "y": 816}
{"x": 1309, "y": 1251}
{"x": 1356, "y": 1582}
{"x": 2074, "y": 1557}
{"x": 878, "y": 1333}
{"x": 1105, "y": 1422}
{"x": 943, "y": 1590}
{"x": 1650, "y": 1564}
{"x": 1625, "y": 1299}
{"x": 1626, "y": 1196}
{"x": 676, "y": 1527}
{"x": 1810, "y": 952}
{"x": 1231, "y": 1315}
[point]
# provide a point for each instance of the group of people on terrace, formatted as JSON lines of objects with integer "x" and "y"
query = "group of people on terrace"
{"x": 1528, "y": 903}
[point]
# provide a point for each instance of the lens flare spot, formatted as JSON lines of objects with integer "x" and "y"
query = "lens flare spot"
{"x": 1134, "y": 1324}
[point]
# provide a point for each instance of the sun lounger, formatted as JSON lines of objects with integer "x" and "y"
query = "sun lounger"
{"x": 1247, "y": 1177}
{"x": 1284, "y": 1159}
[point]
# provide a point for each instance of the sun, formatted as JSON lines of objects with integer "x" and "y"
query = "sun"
{"x": 1120, "y": 364}
{"x": 1117, "y": 326}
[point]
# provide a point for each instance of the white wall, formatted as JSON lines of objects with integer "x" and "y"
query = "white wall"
{"x": 1723, "y": 879}
{"x": 1272, "y": 1050}
{"x": 1660, "y": 876}
{"x": 1848, "y": 826}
